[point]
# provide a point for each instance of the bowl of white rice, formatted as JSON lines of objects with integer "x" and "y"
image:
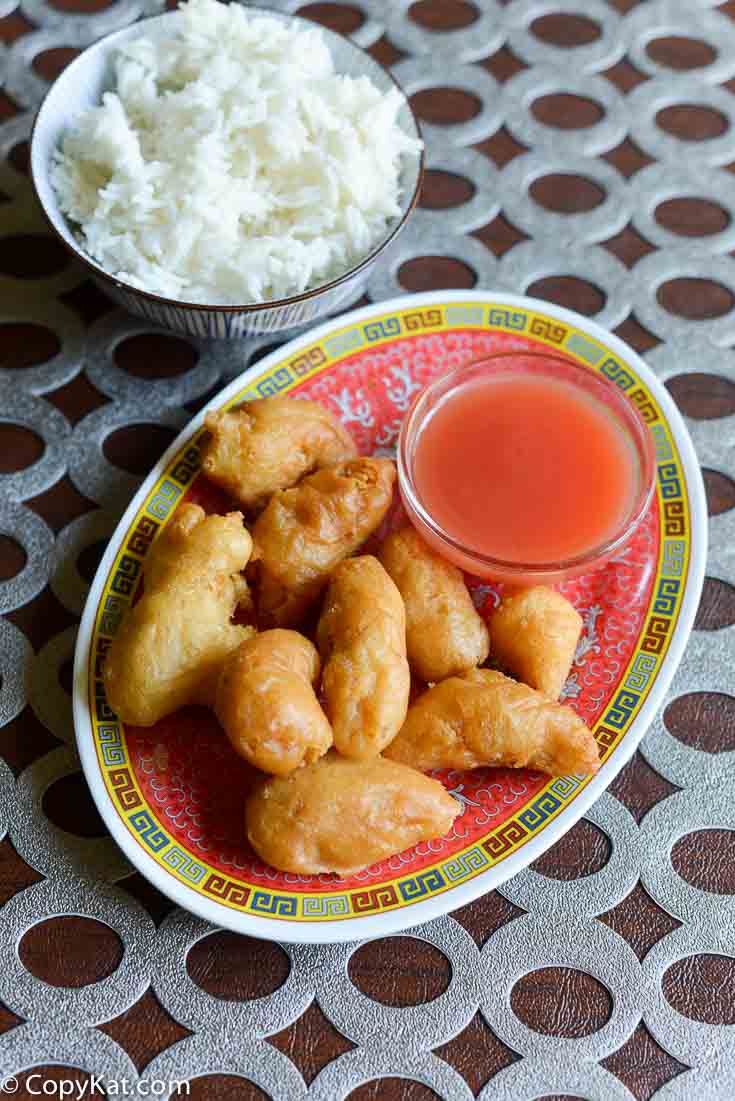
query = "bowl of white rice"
{"x": 226, "y": 170}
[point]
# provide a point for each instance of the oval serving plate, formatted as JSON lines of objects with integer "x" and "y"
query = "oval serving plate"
{"x": 172, "y": 795}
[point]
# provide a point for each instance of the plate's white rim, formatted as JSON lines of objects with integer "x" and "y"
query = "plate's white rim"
{"x": 393, "y": 921}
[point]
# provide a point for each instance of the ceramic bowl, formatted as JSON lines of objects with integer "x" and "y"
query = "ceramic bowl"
{"x": 82, "y": 84}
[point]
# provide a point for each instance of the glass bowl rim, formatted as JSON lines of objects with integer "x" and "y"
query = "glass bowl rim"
{"x": 646, "y": 466}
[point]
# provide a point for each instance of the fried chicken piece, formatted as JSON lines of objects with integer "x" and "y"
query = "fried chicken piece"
{"x": 485, "y": 718}
{"x": 269, "y": 444}
{"x": 305, "y": 531}
{"x": 362, "y": 639}
{"x": 341, "y": 816}
{"x": 533, "y": 634}
{"x": 266, "y": 702}
{"x": 171, "y": 645}
{"x": 444, "y": 633}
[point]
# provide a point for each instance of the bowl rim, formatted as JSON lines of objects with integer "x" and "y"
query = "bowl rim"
{"x": 250, "y": 307}
{"x": 539, "y": 570}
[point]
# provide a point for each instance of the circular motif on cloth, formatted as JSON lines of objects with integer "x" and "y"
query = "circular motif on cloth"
{"x": 16, "y": 655}
{"x": 421, "y": 1027}
{"x": 653, "y": 96}
{"x": 521, "y": 91}
{"x": 663, "y": 18}
{"x": 589, "y": 58}
{"x": 523, "y": 946}
{"x": 584, "y": 228}
{"x": 197, "y": 1009}
{"x": 37, "y": 540}
{"x": 20, "y": 408}
{"x": 45, "y": 846}
{"x": 86, "y": 1005}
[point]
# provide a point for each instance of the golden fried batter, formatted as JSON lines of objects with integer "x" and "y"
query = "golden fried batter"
{"x": 266, "y": 703}
{"x": 305, "y": 531}
{"x": 341, "y": 816}
{"x": 172, "y": 643}
{"x": 444, "y": 633}
{"x": 484, "y": 718}
{"x": 269, "y": 444}
{"x": 534, "y": 634}
{"x": 362, "y": 640}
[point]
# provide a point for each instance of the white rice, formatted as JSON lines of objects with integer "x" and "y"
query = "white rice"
{"x": 232, "y": 164}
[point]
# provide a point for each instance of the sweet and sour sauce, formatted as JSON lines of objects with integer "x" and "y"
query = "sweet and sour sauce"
{"x": 534, "y": 466}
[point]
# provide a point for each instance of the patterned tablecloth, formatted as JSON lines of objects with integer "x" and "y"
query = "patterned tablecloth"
{"x": 578, "y": 150}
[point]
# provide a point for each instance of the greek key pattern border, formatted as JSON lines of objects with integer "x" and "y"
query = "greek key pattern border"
{"x": 635, "y": 683}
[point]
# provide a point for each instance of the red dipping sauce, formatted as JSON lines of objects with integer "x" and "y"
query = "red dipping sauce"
{"x": 525, "y": 467}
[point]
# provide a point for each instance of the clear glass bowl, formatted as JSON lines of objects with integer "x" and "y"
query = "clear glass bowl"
{"x": 535, "y": 364}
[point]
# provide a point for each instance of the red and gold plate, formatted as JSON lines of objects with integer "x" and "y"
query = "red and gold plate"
{"x": 172, "y": 795}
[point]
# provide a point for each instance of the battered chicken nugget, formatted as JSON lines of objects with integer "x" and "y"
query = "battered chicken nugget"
{"x": 269, "y": 444}
{"x": 172, "y": 643}
{"x": 362, "y": 639}
{"x": 341, "y": 816}
{"x": 305, "y": 531}
{"x": 266, "y": 703}
{"x": 484, "y": 718}
{"x": 534, "y": 634}
{"x": 444, "y": 633}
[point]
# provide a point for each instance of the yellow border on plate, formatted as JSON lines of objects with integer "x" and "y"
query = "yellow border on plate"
{"x": 498, "y": 844}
